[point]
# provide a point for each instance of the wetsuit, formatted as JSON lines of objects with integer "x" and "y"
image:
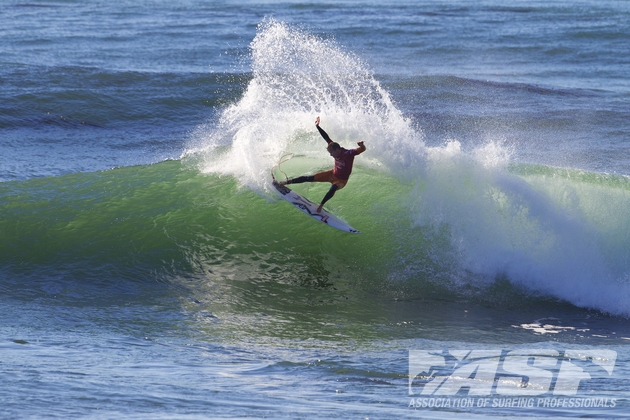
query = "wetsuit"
{"x": 339, "y": 175}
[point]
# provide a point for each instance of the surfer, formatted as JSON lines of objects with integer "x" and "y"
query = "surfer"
{"x": 339, "y": 175}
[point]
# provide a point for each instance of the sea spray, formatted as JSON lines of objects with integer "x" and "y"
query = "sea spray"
{"x": 297, "y": 76}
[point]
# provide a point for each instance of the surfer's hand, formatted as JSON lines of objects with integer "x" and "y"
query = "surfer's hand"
{"x": 317, "y": 121}
{"x": 360, "y": 143}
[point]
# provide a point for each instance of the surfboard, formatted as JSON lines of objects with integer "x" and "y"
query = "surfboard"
{"x": 310, "y": 208}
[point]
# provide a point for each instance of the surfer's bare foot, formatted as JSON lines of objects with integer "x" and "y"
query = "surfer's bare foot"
{"x": 283, "y": 182}
{"x": 320, "y": 208}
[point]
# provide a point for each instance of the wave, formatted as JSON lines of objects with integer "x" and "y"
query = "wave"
{"x": 461, "y": 232}
{"x": 474, "y": 216}
{"x": 438, "y": 222}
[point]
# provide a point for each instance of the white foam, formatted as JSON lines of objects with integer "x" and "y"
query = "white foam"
{"x": 297, "y": 77}
{"x": 541, "y": 232}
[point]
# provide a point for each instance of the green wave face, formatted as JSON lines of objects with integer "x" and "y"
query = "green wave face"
{"x": 153, "y": 234}
{"x": 170, "y": 222}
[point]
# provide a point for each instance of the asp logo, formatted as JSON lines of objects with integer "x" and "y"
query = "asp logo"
{"x": 532, "y": 372}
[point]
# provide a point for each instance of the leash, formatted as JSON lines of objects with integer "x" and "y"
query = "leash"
{"x": 283, "y": 159}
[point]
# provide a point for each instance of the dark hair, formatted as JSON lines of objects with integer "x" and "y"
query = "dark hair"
{"x": 333, "y": 145}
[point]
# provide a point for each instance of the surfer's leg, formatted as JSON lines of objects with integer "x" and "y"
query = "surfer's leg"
{"x": 333, "y": 189}
{"x": 328, "y": 196}
{"x": 337, "y": 184}
{"x": 326, "y": 176}
{"x": 318, "y": 177}
{"x": 301, "y": 179}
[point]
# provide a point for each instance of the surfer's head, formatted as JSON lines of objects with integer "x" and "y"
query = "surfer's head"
{"x": 334, "y": 149}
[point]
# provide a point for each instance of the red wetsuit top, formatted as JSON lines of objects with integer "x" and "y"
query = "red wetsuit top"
{"x": 343, "y": 164}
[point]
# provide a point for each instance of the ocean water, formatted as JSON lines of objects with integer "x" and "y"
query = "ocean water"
{"x": 149, "y": 270}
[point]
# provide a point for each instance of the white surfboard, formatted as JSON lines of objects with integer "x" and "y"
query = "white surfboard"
{"x": 310, "y": 208}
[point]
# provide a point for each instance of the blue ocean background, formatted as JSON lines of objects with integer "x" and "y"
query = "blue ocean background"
{"x": 148, "y": 269}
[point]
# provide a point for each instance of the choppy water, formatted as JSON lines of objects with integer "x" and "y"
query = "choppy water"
{"x": 147, "y": 268}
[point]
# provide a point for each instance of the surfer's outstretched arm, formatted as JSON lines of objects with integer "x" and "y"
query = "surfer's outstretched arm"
{"x": 322, "y": 132}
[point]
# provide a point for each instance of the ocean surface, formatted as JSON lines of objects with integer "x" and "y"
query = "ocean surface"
{"x": 148, "y": 269}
